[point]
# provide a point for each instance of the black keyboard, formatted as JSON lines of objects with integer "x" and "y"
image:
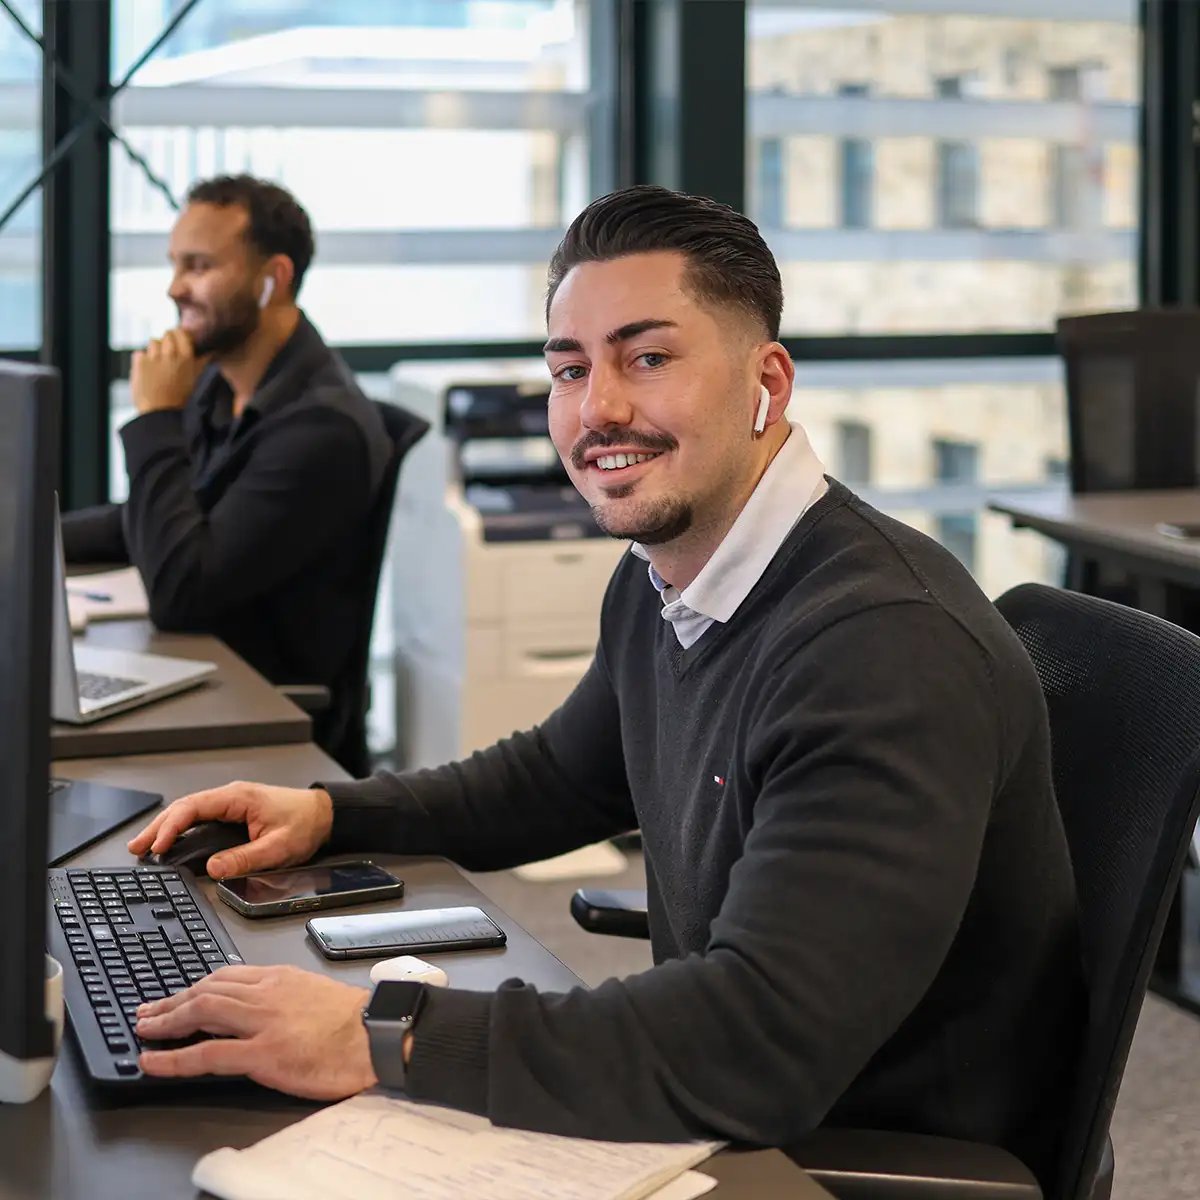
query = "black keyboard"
{"x": 100, "y": 687}
{"x": 124, "y": 936}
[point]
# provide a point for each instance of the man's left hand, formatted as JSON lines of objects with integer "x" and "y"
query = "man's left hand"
{"x": 163, "y": 375}
{"x": 285, "y": 1028}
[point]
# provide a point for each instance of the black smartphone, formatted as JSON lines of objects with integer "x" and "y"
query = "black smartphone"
{"x": 1178, "y": 529}
{"x": 379, "y": 935}
{"x": 303, "y": 889}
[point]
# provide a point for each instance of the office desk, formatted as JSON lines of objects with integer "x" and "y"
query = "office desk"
{"x": 74, "y": 1143}
{"x": 236, "y": 707}
{"x": 1116, "y": 530}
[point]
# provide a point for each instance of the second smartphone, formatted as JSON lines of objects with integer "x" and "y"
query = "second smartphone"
{"x": 308, "y": 889}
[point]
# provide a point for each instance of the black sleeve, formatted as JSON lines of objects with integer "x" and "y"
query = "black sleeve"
{"x": 94, "y": 535}
{"x": 299, "y": 492}
{"x": 531, "y": 796}
{"x": 875, "y": 792}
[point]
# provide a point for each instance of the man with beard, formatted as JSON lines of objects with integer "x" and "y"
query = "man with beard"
{"x": 861, "y": 905}
{"x": 254, "y": 459}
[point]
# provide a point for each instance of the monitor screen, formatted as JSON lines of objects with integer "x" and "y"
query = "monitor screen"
{"x": 29, "y": 399}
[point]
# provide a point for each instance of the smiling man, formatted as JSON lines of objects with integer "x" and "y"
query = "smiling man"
{"x": 254, "y": 459}
{"x": 861, "y": 905}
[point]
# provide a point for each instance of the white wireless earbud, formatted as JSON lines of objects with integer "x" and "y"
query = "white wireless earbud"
{"x": 764, "y": 403}
{"x": 268, "y": 290}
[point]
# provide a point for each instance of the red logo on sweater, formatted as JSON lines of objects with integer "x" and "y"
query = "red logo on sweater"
{"x": 718, "y": 780}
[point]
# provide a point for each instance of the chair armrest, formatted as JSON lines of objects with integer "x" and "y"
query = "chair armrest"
{"x": 308, "y": 697}
{"x": 621, "y": 913}
{"x": 869, "y": 1164}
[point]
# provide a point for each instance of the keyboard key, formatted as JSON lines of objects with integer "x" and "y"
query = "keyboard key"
{"x": 118, "y": 1045}
{"x": 126, "y": 1066}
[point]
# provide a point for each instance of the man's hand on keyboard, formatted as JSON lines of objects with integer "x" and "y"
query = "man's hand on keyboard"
{"x": 285, "y": 1028}
{"x": 287, "y": 825}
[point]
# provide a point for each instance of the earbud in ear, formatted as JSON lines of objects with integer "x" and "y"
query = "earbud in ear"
{"x": 764, "y": 404}
{"x": 268, "y": 290}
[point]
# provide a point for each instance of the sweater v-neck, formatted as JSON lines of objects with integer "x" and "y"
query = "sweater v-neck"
{"x": 682, "y": 659}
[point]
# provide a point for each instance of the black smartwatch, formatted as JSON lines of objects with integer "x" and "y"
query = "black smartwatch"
{"x": 390, "y": 1014}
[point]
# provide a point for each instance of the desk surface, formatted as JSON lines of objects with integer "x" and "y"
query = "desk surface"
{"x": 236, "y": 707}
{"x": 74, "y": 1142}
{"x": 1122, "y": 523}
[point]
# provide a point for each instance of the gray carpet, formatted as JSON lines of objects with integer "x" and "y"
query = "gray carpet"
{"x": 1156, "y": 1131}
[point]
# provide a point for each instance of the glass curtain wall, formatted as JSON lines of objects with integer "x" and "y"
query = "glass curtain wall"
{"x": 926, "y": 167}
{"x": 20, "y": 165}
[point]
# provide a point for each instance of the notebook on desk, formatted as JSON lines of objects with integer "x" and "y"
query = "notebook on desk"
{"x": 90, "y": 682}
{"x": 109, "y": 595}
{"x": 378, "y": 1147}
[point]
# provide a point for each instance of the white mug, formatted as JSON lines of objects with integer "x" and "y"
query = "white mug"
{"x": 21, "y": 1080}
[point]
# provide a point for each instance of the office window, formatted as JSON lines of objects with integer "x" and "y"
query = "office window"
{"x": 854, "y": 452}
{"x": 769, "y": 184}
{"x": 925, "y": 438}
{"x": 961, "y": 105}
{"x": 957, "y": 185}
{"x": 959, "y": 533}
{"x": 20, "y": 163}
{"x": 957, "y": 463}
{"x": 1069, "y": 185}
{"x": 440, "y": 146}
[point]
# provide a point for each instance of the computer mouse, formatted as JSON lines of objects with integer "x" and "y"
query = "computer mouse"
{"x": 196, "y": 845}
{"x": 408, "y": 967}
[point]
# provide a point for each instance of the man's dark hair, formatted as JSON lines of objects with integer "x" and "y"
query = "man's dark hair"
{"x": 728, "y": 261}
{"x": 278, "y": 225}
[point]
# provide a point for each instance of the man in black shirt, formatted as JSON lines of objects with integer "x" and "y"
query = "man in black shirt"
{"x": 254, "y": 459}
{"x": 862, "y": 909}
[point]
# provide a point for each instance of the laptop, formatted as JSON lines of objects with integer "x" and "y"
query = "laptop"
{"x": 89, "y": 682}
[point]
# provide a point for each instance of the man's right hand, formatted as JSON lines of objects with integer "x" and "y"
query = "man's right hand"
{"x": 287, "y": 825}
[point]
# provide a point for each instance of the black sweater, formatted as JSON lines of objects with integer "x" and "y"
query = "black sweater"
{"x": 861, "y": 902}
{"x": 256, "y": 530}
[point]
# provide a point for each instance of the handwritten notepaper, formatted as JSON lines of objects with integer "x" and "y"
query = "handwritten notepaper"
{"x": 110, "y": 595}
{"x": 376, "y": 1147}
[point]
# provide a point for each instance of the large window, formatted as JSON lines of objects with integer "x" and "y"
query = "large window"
{"x": 1003, "y": 156}
{"x": 440, "y": 146}
{"x": 20, "y": 163}
{"x": 997, "y": 152}
{"x": 929, "y": 441}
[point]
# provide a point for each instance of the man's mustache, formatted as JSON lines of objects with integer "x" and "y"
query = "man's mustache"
{"x": 651, "y": 443}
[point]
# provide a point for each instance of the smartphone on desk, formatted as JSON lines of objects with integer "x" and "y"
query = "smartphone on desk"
{"x": 380, "y": 935}
{"x": 305, "y": 889}
{"x": 1184, "y": 530}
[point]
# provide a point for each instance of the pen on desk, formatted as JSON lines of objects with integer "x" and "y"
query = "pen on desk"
{"x": 99, "y": 597}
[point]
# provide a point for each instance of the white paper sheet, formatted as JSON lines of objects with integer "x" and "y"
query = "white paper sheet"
{"x": 110, "y": 595}
{"x": 376, "y": 1147}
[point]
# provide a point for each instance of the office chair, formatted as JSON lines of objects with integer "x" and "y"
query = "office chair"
{"x": 1123, "y": 693}
{"x": 1131, "y": 382}
{"x": 341, "y": 730}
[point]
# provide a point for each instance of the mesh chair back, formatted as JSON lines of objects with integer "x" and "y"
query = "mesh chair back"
{"x": 349, "y": 745}
{"x": 1123, "y": 693}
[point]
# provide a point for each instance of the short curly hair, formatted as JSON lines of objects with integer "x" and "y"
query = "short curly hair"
{"x": 278, "y": 223}
{"x": 728, "y": 261}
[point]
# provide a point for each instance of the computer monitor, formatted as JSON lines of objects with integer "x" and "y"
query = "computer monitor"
{"x": 29, "y": 417}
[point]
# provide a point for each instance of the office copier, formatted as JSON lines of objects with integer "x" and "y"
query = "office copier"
{"x": 498, "y": 569}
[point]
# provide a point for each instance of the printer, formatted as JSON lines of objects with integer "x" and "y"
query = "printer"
{"x": 498, "y": 569}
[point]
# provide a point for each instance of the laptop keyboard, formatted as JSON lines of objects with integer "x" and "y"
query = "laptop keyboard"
{"x": 125, "y": 936}
{"x": 100, "y": 687}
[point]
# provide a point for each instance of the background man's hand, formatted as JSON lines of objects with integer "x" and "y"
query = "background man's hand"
{"x": 284, "y": 1028}
{"x": 287, "y": 825}
{"x": 163, "y": 375}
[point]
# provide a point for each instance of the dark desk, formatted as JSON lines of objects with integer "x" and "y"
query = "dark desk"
{"x": 1116, "y": 531}
{"x": 235, "y": 707}
{"x": 73, "y": 1143}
